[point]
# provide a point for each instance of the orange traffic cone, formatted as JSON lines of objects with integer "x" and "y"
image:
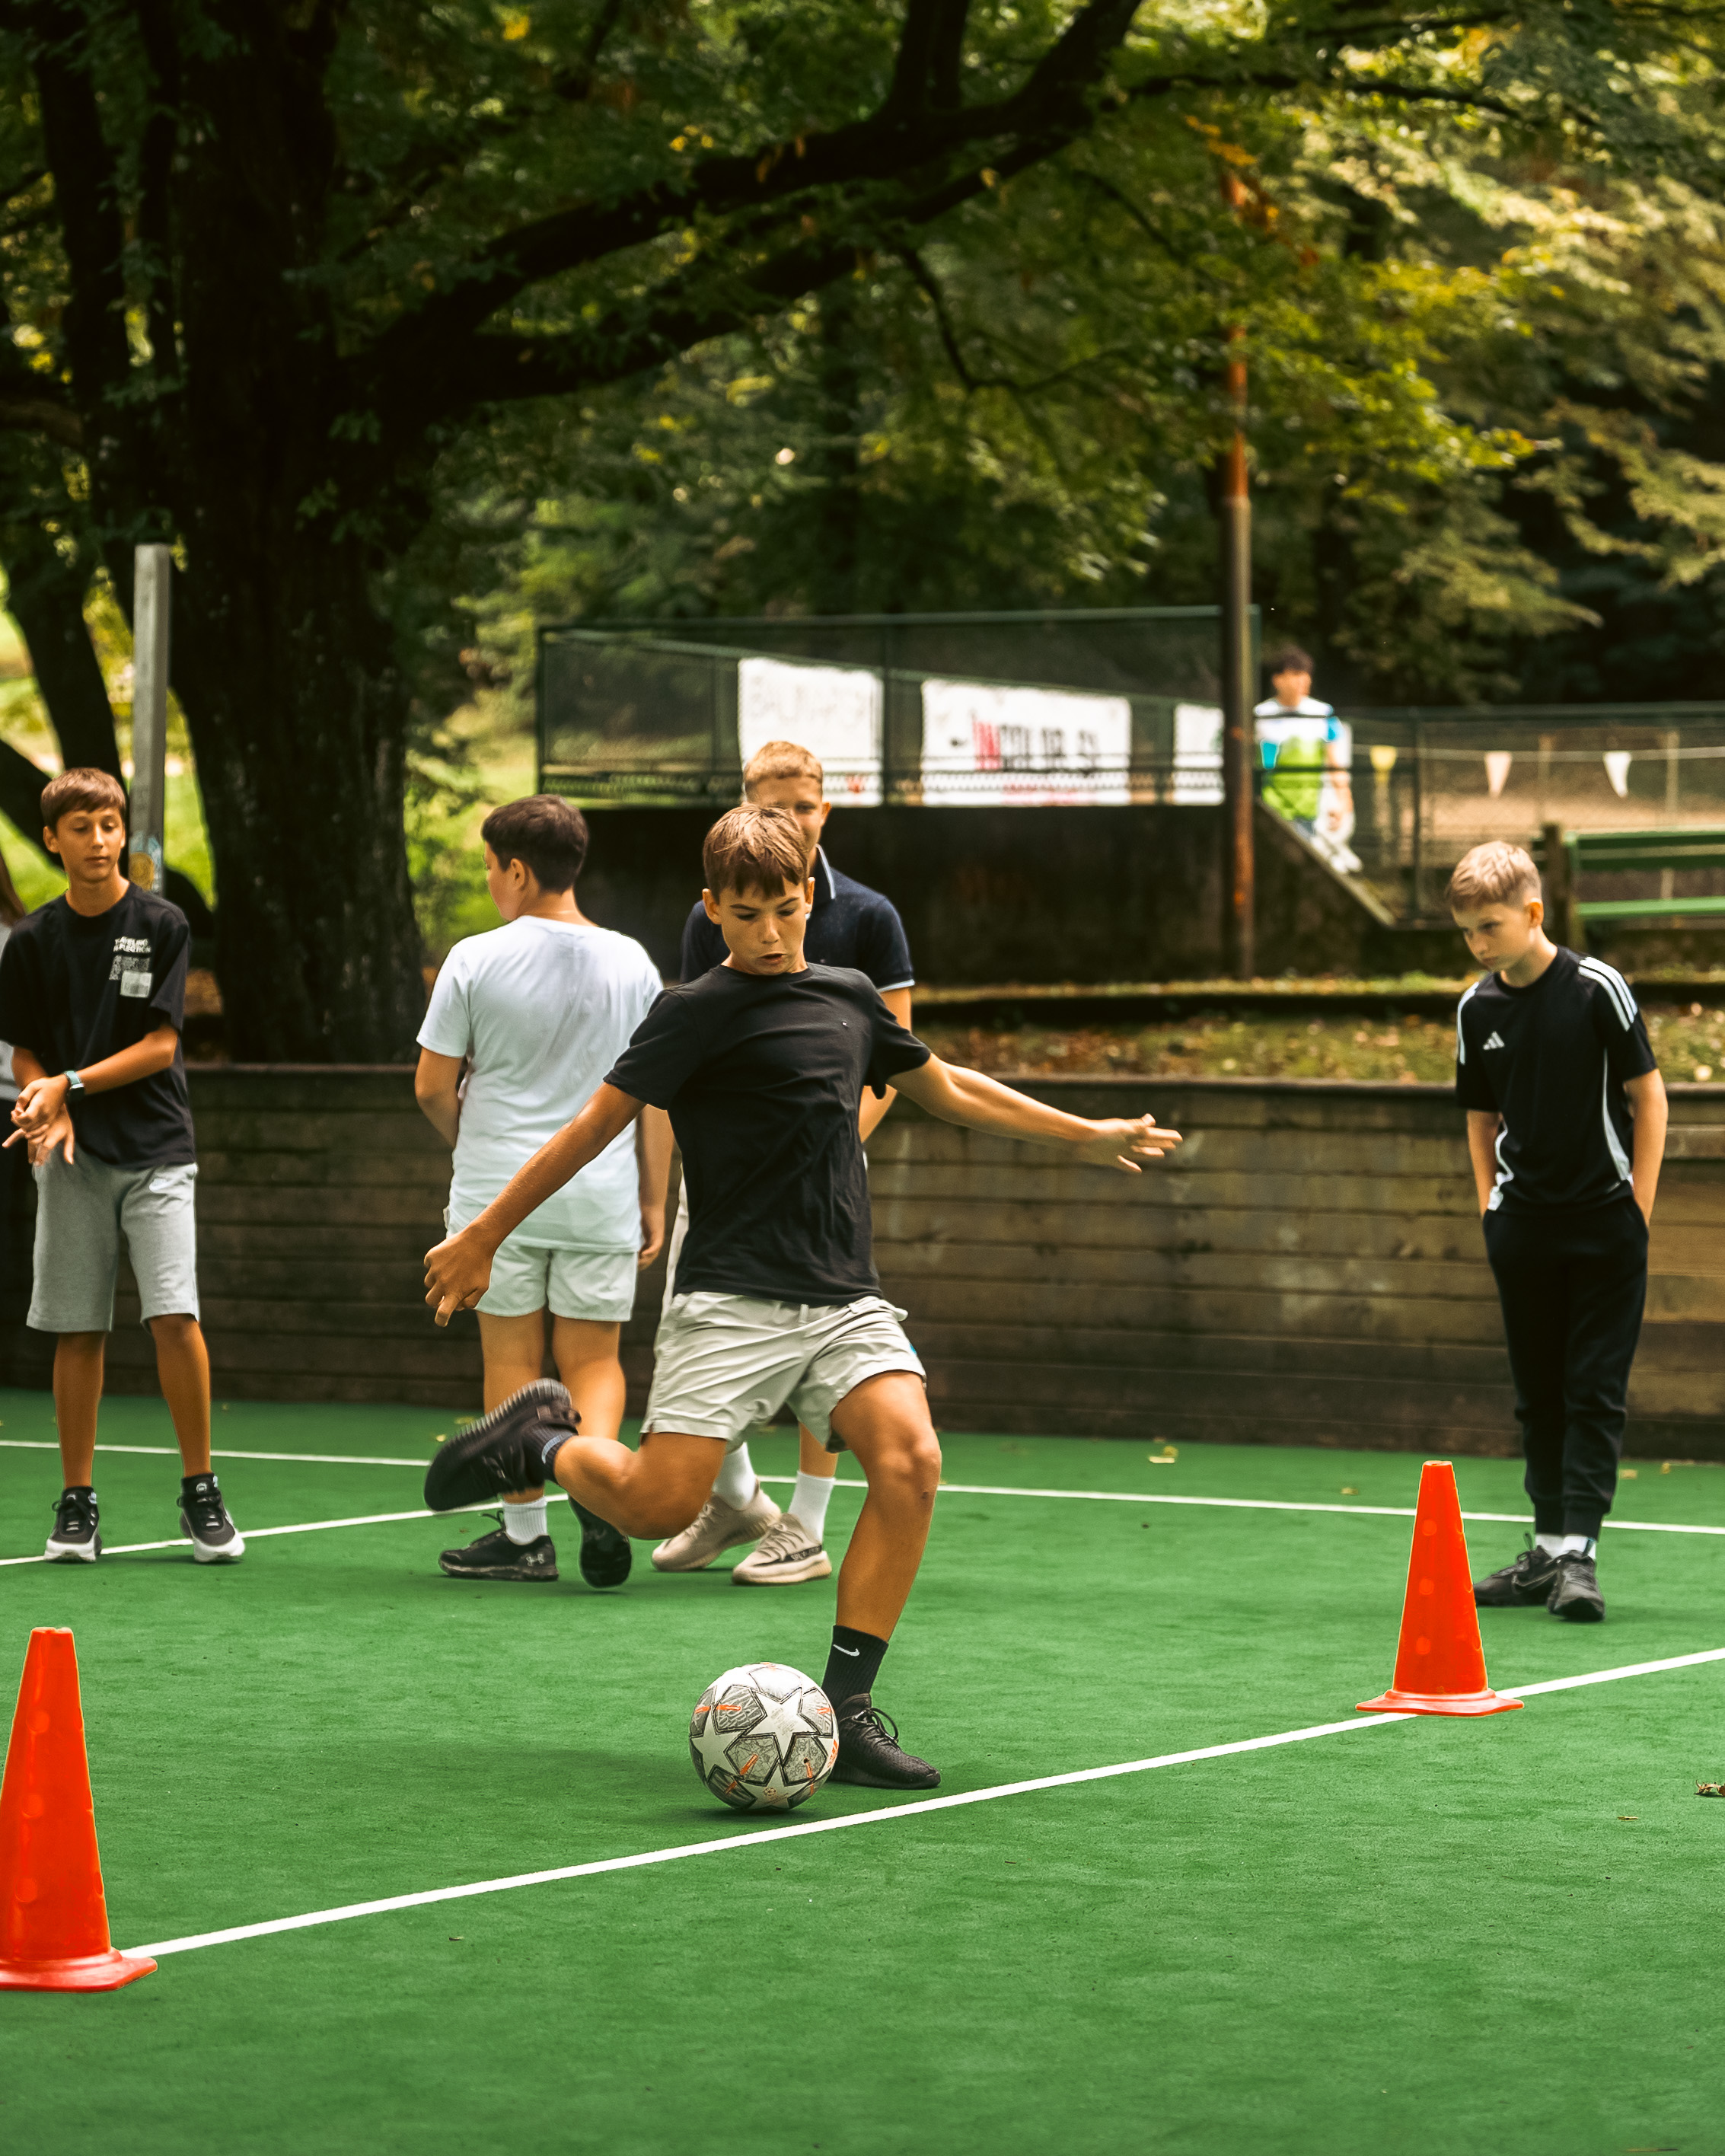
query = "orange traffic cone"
{"x": 54, "y": 1921}
{"x": 1439, "y": 1664}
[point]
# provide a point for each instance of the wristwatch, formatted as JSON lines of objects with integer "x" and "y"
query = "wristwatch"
{"x": 75, "y": 1084}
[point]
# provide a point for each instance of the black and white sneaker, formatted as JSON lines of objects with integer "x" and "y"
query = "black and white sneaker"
{"x": 503, "y": 1452}
{"x": 496, "y": 1557}
{"x": 1575, "y": 1595}
{"x": 870, "y": 1753}
{"x": 215, "y": 1539}
{"x": 75, "y": 1539}
{"x": 1521, "y": 1585}
{"x": 605, "y": 1554}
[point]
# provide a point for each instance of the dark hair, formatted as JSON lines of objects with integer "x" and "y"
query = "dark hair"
{"x": 545, "y": 832}
{"x": 80, "y": 787}
{"x": 12, "y": 906}
{"x": 1290, "y": 659}
{"x": 751, "y": 849}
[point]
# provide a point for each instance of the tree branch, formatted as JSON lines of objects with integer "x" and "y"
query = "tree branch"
{"x": 156, "y": 155}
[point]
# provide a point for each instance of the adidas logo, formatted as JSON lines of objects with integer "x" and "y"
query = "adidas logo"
{"x": 1495, "y": 1040}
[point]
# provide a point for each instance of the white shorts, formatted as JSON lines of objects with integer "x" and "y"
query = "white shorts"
{"x": 596, "y": 1286}
{"x": 81, "y": 1213}
{"x": 723, "y": 1362}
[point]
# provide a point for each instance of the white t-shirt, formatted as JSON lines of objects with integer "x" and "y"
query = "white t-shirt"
{"x": 544, "y": 1008}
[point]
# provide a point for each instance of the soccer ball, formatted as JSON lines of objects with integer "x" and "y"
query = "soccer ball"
{"x": 764, "y": 1737}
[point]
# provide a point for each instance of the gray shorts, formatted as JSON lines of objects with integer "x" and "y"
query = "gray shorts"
{"x": 82, "y": 1212}
{"x": 723, "y": 1362}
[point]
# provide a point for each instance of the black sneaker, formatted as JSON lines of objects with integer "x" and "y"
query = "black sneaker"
{"x": 1519, "y": 1586}
{"x": 605, "y": 1554}
{"x": 870, "y": 1751}
{"x": 75, "y": 1539}
{"x": 1576, "y": 1594}
{"x": 215, "y": 1539}
{"x": 496, "y": 1557}
{"x": 506, "y": 1451}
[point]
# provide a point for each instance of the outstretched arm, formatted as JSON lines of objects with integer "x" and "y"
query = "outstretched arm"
{"x": 982, "y": 1103}
{"x": 459, "y": 1270}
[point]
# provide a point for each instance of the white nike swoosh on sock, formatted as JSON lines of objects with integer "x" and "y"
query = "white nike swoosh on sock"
{"x": 854, "y": 1653}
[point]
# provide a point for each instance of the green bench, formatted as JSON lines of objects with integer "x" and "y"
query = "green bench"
{"x": 1667, "y": 852}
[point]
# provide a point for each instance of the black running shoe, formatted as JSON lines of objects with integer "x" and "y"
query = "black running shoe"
{"x": 75, "y": 1539}
{"x": 605, "y": 1554}
{"x": 496, "y": 1557}
{"x": 504, "y": 1452}
{"x": 215, "y": 1539}
{"x": 1576, "y": 1595}
{"x": 1521, "y": 1585}
{"x": 870, "y": 1751}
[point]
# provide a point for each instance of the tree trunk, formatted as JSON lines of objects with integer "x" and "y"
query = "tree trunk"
{"x": 45, "y": 596}
{"x": 298, "y": 717}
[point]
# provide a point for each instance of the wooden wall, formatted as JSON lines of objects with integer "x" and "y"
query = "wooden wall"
{"x": 1309, "y": 1270}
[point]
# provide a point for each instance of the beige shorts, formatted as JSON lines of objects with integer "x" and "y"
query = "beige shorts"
{"x": 723, "y": 1362}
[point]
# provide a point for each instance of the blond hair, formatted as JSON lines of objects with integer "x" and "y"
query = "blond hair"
{"x": 782, "y": 759}
{"x": 1495, "y": 873}
{"x": 751, "y": 849}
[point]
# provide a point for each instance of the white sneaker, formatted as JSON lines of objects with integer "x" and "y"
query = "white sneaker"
{"x": 786, "y": 1553}
{"x": 718, "y": 1527}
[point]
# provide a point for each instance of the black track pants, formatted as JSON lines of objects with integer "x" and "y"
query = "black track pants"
{"x": 1573, "y": 1285}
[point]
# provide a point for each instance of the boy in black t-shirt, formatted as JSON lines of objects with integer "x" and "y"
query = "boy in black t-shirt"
{"x": 92, "y": 995}
{"x": 1566, "y": 1119}
{"x": 761, "y": 1063}
{"x": 848, "y": 925}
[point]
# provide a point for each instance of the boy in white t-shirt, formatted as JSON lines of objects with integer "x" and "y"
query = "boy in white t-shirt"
{"x": 524, "y": 1023}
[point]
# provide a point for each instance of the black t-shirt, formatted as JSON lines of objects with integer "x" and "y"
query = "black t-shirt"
{"x": 77, "y": 988}
{"x": 849, "y": 926}
{"x": 1552, "y": 1058}
{"x": 762, "y": 1076}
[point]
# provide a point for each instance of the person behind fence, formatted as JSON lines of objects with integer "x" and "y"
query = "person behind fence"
{"x": 92, "y": 996}
{"x": 15, "y": 1222}
{"x": 1566, "y": 1121}
{"x": 1307, "y": 751}
{"x": 525, "y": 1020}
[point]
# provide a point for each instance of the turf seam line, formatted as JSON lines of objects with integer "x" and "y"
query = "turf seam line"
{"x": 429, "y": 1898}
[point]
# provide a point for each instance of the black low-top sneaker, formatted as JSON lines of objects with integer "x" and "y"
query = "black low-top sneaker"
{"x": 1576, "y": 1595}
{"x": 870, "y": 1751}
{"x": 505, "y": 1451}
{"x": 1521, "y": 1585}
{"x": 215, "y": 1539}
{"x": 74, "y": 1539}
{"x": 605, "y": 1554}
{"x": 496, "y": 1557}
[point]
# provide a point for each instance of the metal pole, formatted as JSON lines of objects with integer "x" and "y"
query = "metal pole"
{"x": 151, "y": 603}
{"x": 1238, "y": 875}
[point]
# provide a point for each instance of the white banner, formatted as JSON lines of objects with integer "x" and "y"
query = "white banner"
{"x": 833, "y": 711}
{"x": 1040, "y": 747}
{"x": 1198, "y": 754}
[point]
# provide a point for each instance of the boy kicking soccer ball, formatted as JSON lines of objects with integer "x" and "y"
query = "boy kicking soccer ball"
{"x": 761, "y": 1063}
{"x": 1566, "y": 1117}
{"x": 848, "y": 925}
{"x": 524, "y": 1022}
{"x": 93, "y": 991}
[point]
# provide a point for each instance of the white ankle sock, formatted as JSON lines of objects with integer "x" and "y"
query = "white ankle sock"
{"x": 810, "y": 1500}
{"x": 1553, "y": 1545}
{"x": 524, "y": 1523}
{"x": 1577, "y": 1546}
{"x": 734, "y": 1484}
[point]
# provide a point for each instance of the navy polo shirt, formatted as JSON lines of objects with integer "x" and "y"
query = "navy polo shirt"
{"x": 850, "y": 926}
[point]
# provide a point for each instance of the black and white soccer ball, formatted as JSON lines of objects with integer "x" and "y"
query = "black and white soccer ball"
{"x": 764, "y": 1737}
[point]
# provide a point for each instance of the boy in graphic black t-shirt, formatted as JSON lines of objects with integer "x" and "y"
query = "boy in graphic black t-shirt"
{"x": 1566, "y": 1119}
{"x": 761, "y": 1063}
{"x": 92, "y": 995}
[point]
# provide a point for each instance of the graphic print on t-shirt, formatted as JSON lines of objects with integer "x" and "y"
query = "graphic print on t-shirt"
{"x": 132, "y": 965}
{"x": 1553, "y": 1060}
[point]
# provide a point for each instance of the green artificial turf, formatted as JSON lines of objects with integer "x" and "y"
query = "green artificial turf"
{"x": 1436, "y": 1936}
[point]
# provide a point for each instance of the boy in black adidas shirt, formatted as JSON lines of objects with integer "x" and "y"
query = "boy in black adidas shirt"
{"x": 761, "y": 1063}
{"x": 1566, "y": 1120}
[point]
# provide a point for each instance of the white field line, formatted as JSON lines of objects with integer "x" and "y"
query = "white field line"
{"x": 915, "y": 1809}
{"x": 956, "y": 1489}
{"x": 257, "y": 1534}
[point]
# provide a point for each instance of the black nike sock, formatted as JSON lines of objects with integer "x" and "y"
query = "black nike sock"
{"x": 853, "y": 1664}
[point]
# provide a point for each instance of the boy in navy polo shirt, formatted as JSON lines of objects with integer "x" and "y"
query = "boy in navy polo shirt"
{"x": 1566, "y": 1118}
{"x": 850, "y": 926}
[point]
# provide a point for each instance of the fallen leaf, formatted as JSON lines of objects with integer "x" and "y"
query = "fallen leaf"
{"x": 1349, "y": 1490}
{"x": 1710, "y": 1789}
{"x": 1629, "y": 1474}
